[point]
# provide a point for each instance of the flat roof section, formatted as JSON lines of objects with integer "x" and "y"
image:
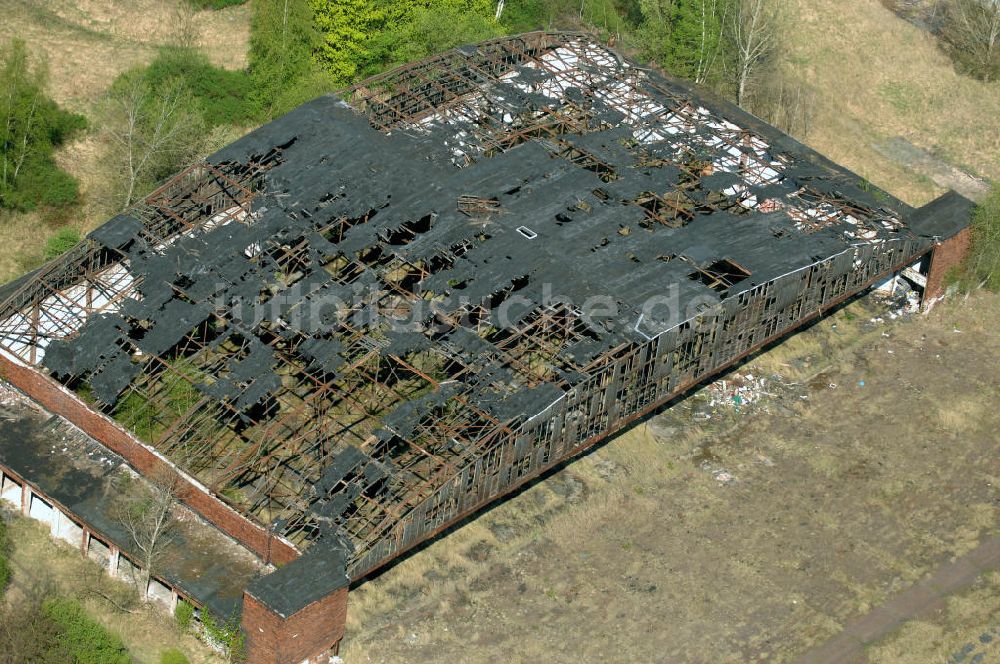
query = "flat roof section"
{"x": 80, "y": 474}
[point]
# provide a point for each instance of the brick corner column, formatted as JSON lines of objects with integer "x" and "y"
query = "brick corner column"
{"x": 945, "y": 255}
{"x": 312, "y": 634}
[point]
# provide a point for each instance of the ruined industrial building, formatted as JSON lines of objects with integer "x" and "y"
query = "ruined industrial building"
{"x": 378, "y": 313}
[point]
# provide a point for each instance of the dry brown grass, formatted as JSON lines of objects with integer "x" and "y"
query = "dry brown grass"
{"x": 90, "y": 42}
{"x": 941, "y": 637}
{"x": 840, "y": 500}
{"x": 877, "y": 77}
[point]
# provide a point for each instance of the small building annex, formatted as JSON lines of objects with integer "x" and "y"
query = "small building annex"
{"x": 382, "y": 311}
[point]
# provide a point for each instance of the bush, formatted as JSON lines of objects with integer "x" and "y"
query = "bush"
{"x": 982, "y": 268}
{"x": 183, "y": 614}
{"x": 969, "y": 32}
{"x": 173, "y": 656}
{"x": 86, "y": 640}
{"x": 64, "y": 240}
{"x": 431, "y": 30}
{"x": 31, "y": 127}
{"x": 227, "y": 634}
{"x": 220, "y": 95}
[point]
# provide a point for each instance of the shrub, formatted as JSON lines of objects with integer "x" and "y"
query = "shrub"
{"x": 87, "y": 641}
{"x": 969, "y": 32}
{"x": 227, "y": 634}
{"x": 64, "y": 240}
{"x": 173, "y": 656}
{"x": 220, "y": 94}
{"x": 983, "y": 264}
{"x": 183, "y": 614}
{"x": 31, "y": 127}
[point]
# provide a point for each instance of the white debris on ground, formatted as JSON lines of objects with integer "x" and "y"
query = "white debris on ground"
{"x": 739, "y": 391}
{"x": 723, "y": 476}
{"x": 899, "y": 298}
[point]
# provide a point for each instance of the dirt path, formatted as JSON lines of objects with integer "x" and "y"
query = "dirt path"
{"x": 919, "y": 600}
{"x": 942, "y": 173}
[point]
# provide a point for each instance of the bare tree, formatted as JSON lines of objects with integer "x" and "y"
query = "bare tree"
{"x": 711, "y": 42}
{"x": 145, "y": 511}
{"x": 151, "y": 132}
{"x": 187, "y": 32}
{"x": 753, "y": 29}
{"x": 972, "y": 31}
{"x": 783, "y": 100}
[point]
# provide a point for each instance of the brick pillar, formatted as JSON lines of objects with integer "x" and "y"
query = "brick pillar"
{"x": 945, "y": 255}
{"x": 311, "y": 634}
{"x": 85, "y": 542}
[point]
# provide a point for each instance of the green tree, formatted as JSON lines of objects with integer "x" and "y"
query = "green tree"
{"x": 282, "y": 69}
{"x": 696, "y": 44}
{"x": 31, "y": 127}
{"x": 347, "y": 26}
{"x": 362, "y": 37}
{"x": 431, "y": 30}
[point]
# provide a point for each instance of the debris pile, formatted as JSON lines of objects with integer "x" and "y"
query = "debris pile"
{"x": 739, "y": 391}
{"x": 900, "y": 301}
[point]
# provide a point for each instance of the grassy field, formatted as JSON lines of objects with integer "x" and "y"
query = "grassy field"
{"x": 735, "y": 537}
{"x": 89, "y": 42}
{"x": 878, "y": 77}
{"x": 966, "y": 628}
{"x": 841, "y": 493}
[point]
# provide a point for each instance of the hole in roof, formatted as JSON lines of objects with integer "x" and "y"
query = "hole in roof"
{"x": 721, "y": 275}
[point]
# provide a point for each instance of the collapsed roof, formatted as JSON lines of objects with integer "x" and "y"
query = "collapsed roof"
{"x": 326, "y": 319}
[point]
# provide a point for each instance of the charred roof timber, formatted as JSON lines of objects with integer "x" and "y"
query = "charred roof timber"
{"x": 386, "y": 308}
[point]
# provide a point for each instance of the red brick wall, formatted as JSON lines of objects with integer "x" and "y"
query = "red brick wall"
{"x": 945, "y": 256}
{"x": 57, "y": 399}
{"x": 310, "y": 634}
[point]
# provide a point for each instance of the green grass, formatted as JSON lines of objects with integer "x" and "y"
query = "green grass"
{"x": 64, "y": 240}
{"x": 87, "y": 641}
